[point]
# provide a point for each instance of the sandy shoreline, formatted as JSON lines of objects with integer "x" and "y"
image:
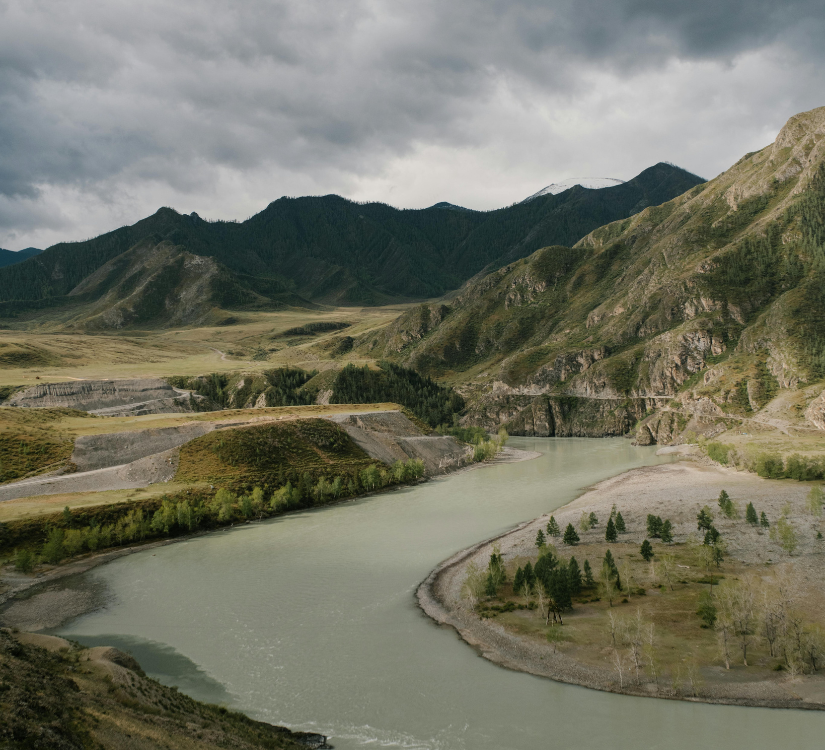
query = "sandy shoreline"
{"x": 675, "y": 491}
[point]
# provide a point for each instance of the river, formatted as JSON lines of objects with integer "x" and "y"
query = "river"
{"x": 310, "y": 620}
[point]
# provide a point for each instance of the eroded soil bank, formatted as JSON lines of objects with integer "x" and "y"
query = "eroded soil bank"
{"x": 694, "y": 670}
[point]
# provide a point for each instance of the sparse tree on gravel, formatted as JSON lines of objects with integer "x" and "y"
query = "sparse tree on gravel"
{"x": 553, "y": 527}
{"x": 540, "y": 542}
{"x": 784, "y": 533}
{"x": 704, "y": 520}
{"x": 750, "y": 515}
{"x": 654, "y": 526}
{"x": 620, "y": 524}
{"x": 647, "y": 551}
{"x": 610, "y": 534}
{"x": 570, "y": 535}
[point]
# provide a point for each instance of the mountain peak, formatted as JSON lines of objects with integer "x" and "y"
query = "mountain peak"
{"x": 589, "y": 183}
{"x": 450, "y": 206}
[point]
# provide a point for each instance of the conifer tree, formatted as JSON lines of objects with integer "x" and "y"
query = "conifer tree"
{"x": 490, "y": 588}
{"x": 666, "y": 532}
{"x": 588, "y": 575}
{"x": 594, "y": 521}
{"x": 539, "y": 540}
{"x": 545, "y": 565}
{"x": 726, "y": 505}
{"x": 763, "y": 521}
{"x": 620, "y": 526}
{"x": 518, "y": 580}
{"x": 529, "y": 577}
{"x": 611, "y": 563}
{"x": 704, "y": 520}
{"x": 553, "y": 527}
{"x": 654, "y": 526}
{"x": 574, "y": 576}
{"x": 712, "y": 536}
{"x": 750, "y": 515}
{"x": 570, "y": 535}
{"x": 647, "y": 551}
{"x": 610, "y": 534}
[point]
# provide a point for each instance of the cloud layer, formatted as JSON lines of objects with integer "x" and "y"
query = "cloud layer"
{"x": 109, "y": 109}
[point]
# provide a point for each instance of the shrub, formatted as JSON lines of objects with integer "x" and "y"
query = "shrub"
{"x": 24, "y": 560}
{"x": 718, "y": 452}
{"x": 770, "y": 466}
{"x": 53, "y": 550}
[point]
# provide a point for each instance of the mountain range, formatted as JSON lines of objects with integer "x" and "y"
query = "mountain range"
{"x": 9, "y": 257}
{"x": 172, "y": 269}
{"x": 714, "y": 299}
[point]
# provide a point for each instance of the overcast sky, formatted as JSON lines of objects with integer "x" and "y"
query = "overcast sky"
{"x": 110, "y": 109}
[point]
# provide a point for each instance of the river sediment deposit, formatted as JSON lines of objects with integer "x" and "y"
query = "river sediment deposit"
{"x": 687, "y": 662}
{"x": 310, "y": 620}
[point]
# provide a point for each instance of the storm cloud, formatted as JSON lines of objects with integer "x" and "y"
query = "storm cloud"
{"x": 109, "y": 109}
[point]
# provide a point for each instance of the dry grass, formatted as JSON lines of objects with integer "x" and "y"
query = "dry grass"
{"x": 55, "y": 355}
{"x": 32, "y": 507}
{"x": 675, "y": 492}
{"x": 680, "y": 637}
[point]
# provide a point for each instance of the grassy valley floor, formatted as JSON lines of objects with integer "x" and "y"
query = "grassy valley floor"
{"x": 656, "y": 644}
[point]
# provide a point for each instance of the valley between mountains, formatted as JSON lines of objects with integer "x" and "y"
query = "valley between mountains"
{"x": 179, "y": 376}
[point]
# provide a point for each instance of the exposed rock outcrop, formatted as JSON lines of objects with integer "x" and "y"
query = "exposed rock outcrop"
{"x": 114, "y": 449}
{"x": 107, "y": 397}
{"x": 559, "y": 416}
{"x": 389, "y": 436}
{"x": 815, "y": 413}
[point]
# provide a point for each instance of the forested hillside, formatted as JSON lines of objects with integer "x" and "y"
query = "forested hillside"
{"x": 333, "y": 250}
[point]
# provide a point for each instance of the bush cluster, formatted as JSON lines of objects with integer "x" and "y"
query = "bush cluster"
{"x": 69, "y": 535}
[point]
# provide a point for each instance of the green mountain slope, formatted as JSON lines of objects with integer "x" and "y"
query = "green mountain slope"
{"x": 716, "y": 297}
{"x": 332, "y": 250}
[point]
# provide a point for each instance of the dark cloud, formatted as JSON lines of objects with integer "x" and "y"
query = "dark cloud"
{"x": 115, "y": 105}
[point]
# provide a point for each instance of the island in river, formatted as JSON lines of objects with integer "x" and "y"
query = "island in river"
{"x": 747, "y": 632}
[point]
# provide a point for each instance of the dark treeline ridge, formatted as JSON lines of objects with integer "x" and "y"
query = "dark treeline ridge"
{"x": 310, "y": 329}
{"x": 329, "y": 248}
{"x": 433, "y": 404}
{"x": 430, "y": 402}
{"x": 282, "y": 389}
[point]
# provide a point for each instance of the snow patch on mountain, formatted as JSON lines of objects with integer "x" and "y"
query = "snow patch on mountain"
{"x": 591, "y": 183}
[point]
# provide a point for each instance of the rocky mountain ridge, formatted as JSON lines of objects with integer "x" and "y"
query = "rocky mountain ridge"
{"x": 712, "y": 300}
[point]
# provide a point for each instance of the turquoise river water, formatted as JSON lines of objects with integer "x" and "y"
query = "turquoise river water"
{"x": 310, "y": 620}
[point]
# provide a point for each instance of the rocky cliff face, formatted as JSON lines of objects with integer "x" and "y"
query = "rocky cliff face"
{"x": 107, "y": 397}
{"x": 715, "y": 299}
{"x": 558, "y": 416}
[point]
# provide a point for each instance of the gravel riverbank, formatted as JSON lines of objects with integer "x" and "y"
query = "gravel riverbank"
{"x": 675, "y": 491}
